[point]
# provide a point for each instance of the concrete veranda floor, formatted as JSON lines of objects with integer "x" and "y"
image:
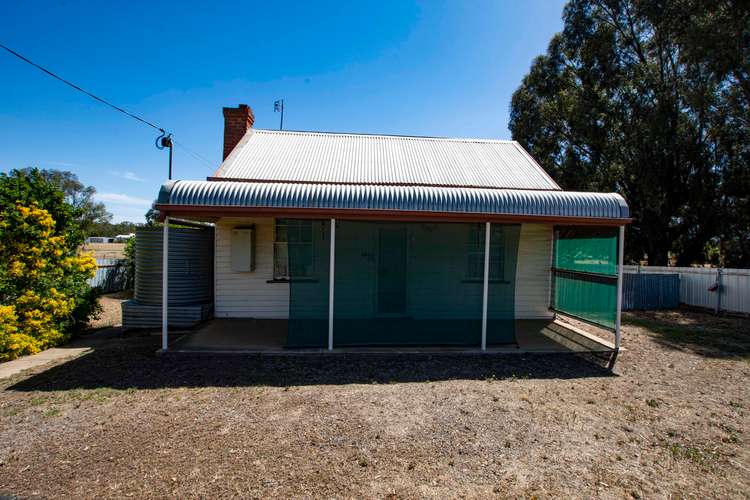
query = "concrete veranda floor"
{"x": 269, "y": 336}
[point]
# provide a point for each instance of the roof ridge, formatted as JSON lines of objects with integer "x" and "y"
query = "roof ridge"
{"x": 388, "y": 136}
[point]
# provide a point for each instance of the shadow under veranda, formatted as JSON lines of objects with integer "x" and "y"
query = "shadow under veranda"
{"x": 132, "y": 362}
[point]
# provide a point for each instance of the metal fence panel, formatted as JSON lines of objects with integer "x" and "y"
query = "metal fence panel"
{"x": 696, "y": 284}
{"x": 735, "y": 290}
{"x": 647, "y": 291}
{"x": 111, "y": 275}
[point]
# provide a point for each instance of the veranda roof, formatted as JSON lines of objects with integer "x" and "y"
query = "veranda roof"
{"x": 234, "y": 197}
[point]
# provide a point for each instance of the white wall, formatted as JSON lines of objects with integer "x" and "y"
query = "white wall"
{"x": 248, "y": 295}
{"x": 533, "y": 272}
{"x": 243, "y": 295}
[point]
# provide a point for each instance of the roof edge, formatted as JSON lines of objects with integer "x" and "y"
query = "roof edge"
{"x": 374, "y": 214}
{"x": 235, "y": 151}
{"x": 165, "y": 191}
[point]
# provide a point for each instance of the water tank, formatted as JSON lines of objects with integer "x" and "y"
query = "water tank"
{"x": 191, "y": 265}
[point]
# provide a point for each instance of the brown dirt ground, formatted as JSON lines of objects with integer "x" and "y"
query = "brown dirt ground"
{"x": 673, "y": 421}
{"x": 111, "y": 314}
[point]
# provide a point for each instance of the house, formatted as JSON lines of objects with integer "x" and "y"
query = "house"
{"x": 99, "y": 239}
{"x": 375, "y": 240}
{"x": 123, "y": 238}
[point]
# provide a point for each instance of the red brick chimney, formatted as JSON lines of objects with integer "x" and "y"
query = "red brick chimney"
{"x": 237, "y": 121}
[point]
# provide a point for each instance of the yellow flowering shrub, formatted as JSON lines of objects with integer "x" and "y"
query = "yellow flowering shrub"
{"x": 41, "y": 282}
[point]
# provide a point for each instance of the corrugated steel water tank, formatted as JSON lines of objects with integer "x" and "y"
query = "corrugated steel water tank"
{"x": 191, "y": 260}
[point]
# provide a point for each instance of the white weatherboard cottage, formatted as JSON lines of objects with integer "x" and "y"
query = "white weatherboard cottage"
{"x": 329, "y": 240}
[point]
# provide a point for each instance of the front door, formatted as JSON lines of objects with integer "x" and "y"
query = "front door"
{"x": 391, "y": 282}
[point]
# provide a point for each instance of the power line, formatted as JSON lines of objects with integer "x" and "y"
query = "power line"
{"x": 26, "y": 59}
{"x": 194, "y": 154}
{"x": 107, "y": 103}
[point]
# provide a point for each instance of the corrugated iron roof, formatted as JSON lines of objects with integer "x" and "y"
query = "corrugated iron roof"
{"x": 394, "y": 198}
{"x": 317, "y": 157}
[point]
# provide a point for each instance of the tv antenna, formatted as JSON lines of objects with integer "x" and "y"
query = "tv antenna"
{"x": 278, "y": 107}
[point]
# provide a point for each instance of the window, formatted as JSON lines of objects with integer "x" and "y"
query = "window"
{"x": 475, "y": 253}
{"x": 293, "y": 249}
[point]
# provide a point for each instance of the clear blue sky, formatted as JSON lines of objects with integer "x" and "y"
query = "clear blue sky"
{"x": 396, "y": 67}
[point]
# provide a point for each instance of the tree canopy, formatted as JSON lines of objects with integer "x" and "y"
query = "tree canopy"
{"x": 29, "y": 186}
{"x": 650, "y": 98}
{"x": 80, "y": 197}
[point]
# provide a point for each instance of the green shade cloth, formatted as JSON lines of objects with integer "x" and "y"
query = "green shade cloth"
{"x": 309, "y": 243}
{"x": 591, "y": 298}
{"x": 501, "y": 292}
{"x": 400, "y": 283}
{"x": 585, "y": 284}
{"x": 587, "y": 249}
{"x": 420, "y": 284}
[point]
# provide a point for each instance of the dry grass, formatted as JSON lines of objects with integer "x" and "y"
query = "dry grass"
{"x": 672, "y": 422}
{"x": 105, "y": 250}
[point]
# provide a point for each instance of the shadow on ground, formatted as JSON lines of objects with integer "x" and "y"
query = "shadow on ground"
{"x": 697, "y": 332}
{"x": 131, "y": 362}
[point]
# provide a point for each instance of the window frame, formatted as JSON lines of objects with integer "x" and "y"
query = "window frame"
{"x": 475, "y": 254}
{"x": 284, "y": 243}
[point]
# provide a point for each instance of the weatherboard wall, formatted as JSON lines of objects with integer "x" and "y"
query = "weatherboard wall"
{"x": 250, "y": 295}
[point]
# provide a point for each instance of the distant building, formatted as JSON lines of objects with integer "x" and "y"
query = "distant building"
{"x": 99, "y": 239}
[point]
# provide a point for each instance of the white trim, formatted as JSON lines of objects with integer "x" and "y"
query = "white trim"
{"x": 552, "y": 249}
{"x": 331, "y": 279}
{"x": 618, "y": 318}
{"x": 165, "y": 287}
{"x": 486, "y": 283}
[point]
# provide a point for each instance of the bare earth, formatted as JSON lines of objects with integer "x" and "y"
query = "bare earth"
{"x": 105, "y": 250}
{"x": 111, "y": 313}
{"x": 672, "y": 422}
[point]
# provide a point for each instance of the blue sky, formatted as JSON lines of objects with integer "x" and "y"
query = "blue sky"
{"x": 397, "y": 67}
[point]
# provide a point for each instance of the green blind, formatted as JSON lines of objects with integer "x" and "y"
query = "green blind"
{"x": 587, "y": 249}
{"x": 501, "y": 292}
{"x": 404, "y": 284}
{"x": 401, "y": 283}
{"x": 309, "y": 247}
{"x": 585, "y": 273}
{"x": 587, "y": 297}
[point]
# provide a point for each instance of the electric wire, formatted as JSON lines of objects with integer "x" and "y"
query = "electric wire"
{"x": 107, "y": 103}
{"x": 93, "y": 96}
{"x": 193, "y": 153}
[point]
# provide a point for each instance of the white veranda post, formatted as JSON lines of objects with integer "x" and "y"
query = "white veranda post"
{"x": 330, "y": 284}
{"x": 618, "y": 317}
{"x": 164, "y": 286}
{"x": 486, "y": 282}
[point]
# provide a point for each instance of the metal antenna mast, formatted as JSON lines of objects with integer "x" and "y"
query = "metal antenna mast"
{"x": 278, "y": 107}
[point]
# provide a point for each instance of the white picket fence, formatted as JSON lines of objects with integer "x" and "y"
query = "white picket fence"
{"x": 695, "y": 283}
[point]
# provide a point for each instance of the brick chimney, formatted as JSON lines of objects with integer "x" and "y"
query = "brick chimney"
{"x": 237, "y": 121}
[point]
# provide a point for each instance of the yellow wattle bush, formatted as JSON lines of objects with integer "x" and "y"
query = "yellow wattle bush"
{"x": 40, "y": 315}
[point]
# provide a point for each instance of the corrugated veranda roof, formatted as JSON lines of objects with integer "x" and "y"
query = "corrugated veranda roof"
{"x": 393, "y": 198}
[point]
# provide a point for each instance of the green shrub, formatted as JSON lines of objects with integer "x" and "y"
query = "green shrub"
{"x": 44, "y": 294}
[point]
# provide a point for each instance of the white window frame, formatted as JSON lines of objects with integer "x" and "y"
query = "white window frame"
{"x": 277, "y": 245}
